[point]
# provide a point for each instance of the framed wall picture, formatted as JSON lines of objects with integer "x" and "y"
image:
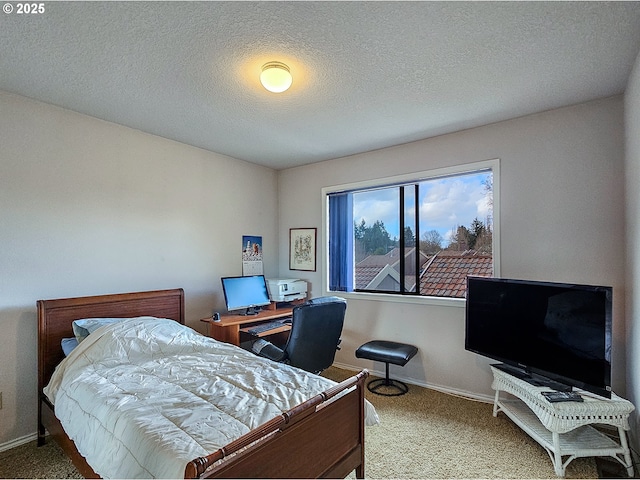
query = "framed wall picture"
{"x": 302, "y": 249}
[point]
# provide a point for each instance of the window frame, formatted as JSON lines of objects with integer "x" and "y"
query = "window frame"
{"x": 493, "y": 165}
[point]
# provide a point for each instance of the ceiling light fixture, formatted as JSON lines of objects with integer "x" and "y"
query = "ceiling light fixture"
{"x": 276, "y": 77}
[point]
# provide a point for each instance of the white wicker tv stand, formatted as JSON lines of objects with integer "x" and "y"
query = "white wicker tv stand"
{"x": 564, "y": 428}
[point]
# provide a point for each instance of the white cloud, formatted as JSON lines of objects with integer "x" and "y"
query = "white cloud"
{"x": 377, "y": 205}
{"x": 453, "y": 201}
{"x": 446, "y": 203}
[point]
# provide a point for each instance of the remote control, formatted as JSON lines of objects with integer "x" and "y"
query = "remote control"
{"x": 562, "y": 396}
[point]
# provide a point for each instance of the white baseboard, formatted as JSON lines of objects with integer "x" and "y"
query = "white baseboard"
{"x": 18, "y": 441}
{"x": 411, "y": 381}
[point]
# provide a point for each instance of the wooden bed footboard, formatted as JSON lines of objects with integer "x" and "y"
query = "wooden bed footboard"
{"x": 322, "y": 437}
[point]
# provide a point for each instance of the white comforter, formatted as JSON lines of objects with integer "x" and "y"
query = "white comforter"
{"x": 143, "y": 397}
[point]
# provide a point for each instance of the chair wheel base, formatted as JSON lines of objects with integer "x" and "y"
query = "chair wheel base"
{"x": 374, "y": 385}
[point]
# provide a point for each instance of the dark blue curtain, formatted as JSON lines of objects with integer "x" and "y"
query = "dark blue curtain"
{"x": 341, "y": 242}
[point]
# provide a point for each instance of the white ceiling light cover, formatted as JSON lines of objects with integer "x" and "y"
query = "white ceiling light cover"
{"x": 276, "y": 77}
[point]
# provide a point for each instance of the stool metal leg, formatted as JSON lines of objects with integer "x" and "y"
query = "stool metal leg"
{"x": 374, "y": 385}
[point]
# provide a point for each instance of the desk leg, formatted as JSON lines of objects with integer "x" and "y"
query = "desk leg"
{"x": 225, "y": 333}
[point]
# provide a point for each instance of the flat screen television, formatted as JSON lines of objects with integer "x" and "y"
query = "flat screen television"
{"x": 246, "y": 294}
{"x": 552, "y": 334}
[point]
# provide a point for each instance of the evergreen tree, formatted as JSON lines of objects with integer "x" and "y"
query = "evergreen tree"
{"x": 409, "y": 237}
{"x": 358, "y": 230}
{"x": 360, "y": 248}
{"x": 373, "y": 240}
{"x": 376, "y": 239}
{"x": 475, "y": 231}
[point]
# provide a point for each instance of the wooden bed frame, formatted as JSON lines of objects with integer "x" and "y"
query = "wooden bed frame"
{"x": 318, "y": 438}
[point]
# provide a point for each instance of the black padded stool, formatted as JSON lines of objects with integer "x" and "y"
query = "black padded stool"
{"x": 387, "y": 352}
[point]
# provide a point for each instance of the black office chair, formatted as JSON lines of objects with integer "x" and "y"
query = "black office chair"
{"x": 316, "y": 327}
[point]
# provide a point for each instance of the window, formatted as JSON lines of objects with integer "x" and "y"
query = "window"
{"x": 418, "y": 235}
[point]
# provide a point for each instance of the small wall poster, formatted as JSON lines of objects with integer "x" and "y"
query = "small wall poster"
{"x": 251, "y": 255}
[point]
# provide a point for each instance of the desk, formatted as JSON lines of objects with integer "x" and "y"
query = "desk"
{"x": 229, "y": 327}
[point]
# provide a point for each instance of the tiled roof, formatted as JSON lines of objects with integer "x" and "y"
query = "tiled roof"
{"x": 365, "y": 274}
{"x": 369, "y": 267}
{"x": 446, "y": 275}
{"x": 389, "y": 258}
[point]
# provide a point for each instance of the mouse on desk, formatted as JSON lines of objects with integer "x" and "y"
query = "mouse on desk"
{"x": 287, "y": 320}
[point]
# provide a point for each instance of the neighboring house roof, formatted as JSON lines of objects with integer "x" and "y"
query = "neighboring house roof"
{"x": 387, "y": 279}
{"x": 446, "y": 275}
{"x": 373, "y": 270}
{"x": 443, "y": 274}
{"x": 365, "y": 274}
{"x": 368, "y": 268}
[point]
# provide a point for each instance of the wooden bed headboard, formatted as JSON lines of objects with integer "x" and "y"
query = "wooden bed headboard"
{"x": 56, "y": 316}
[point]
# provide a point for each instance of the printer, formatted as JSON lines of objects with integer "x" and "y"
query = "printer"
{"x": 286, "y": 289}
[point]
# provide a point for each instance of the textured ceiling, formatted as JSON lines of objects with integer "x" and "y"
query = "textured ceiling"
{"x": 366, "y": 74}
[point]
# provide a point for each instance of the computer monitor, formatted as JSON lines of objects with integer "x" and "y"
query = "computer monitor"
{"x": 247, "y": 294}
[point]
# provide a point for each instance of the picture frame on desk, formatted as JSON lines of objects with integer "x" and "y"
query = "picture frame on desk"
{"x": 302, "y": 249}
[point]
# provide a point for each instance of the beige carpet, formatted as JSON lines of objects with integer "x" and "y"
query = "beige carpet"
{"x": 29, "y": 461}
{"x": 423, "y": 434}
{"x": 428, "y": 434}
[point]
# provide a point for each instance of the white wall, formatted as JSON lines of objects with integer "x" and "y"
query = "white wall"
{"x": 562, "y": 218}
{"x": 632, "y": 192}
{"x": 88, "y": 207}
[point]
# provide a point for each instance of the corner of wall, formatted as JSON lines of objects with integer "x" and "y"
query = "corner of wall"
{"x": 632, "y": 232}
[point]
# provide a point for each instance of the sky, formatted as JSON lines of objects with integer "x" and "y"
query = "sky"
{"x": 445, "y": 203}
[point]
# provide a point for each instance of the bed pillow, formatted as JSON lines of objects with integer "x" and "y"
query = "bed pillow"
{"x": 84, "y": 326}
{"x": 68, "y": 344}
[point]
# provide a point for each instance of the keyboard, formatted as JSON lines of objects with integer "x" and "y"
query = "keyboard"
{"x": 265, "y": 327}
